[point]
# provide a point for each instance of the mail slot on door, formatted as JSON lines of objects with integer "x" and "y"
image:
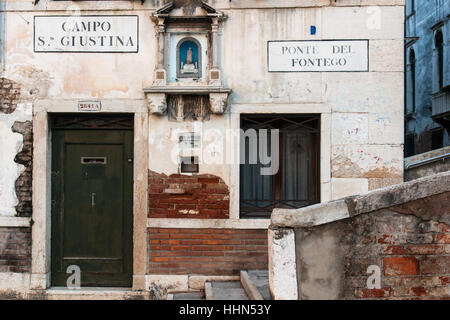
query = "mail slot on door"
{"x": 93, "y": 160}
{"x": 93, "y": 167}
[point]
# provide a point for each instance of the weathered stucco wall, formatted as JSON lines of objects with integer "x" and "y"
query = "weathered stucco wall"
{"x": 366, "y": 132}
{"x": 11, "y": 143}
{"x": 366, "y": 124}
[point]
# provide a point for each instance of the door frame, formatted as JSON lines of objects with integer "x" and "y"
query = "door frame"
{"x": 41, "y": 218}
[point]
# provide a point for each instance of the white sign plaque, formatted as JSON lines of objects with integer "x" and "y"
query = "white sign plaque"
{"x": 86, "y": 33}
{"x": 89, "y": 106}
{"x": 318, "y": 56}
{"x": 189, "y": 140}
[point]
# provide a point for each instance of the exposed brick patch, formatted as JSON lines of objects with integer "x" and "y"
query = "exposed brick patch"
{"x": 373, "y": 293}
{"x": 15, "y": 249}
{"x": 184, "y": 196}
{"x": 206, "y": 251}
{"x": 401, "y": 266}
{"x": 442, "y": 238}
{"x": 24, "y": 157}
{"x": 435, "y": 265}
{"x": 425, "y": 249}
{"x": 412, "y": 253}
{"x": 9, "y": 95}
{"x": 410, "y": 292}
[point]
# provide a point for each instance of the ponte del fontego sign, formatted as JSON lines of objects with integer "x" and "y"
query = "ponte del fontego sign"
{"x": 318, "y": 56}
{"x": 86, "y": 33}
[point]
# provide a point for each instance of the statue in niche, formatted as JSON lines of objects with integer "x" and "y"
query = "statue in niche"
{"x": 189, "y": 58}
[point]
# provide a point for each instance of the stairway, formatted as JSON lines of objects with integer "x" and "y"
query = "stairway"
{"x": 227, "y": 290}
{"x": 194, "y": 295}
{"x": 260, "y": 279}
{"x": 253, "y": 285}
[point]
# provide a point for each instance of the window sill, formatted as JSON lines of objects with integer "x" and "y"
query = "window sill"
{"x": 208, "y": 223}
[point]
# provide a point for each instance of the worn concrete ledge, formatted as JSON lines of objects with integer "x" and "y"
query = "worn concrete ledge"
{"x": 428, "y": 163}
{"x": 179, "y": 89}
{"x": 208, "y": 223}
{"x": 161, "y": 285}
{"x": 426, "y": 155}
{"x": 310, "y": 216}
{"x": 371, "y": 201}
{"x": 250, "y": 288}
{"x": 13, "y": 283}
{"x": 93, "y": 293}
{"x": 17, "y": 222}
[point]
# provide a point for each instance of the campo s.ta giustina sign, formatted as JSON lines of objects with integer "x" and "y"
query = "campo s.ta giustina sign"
{"x": 318, "y": 56}
{"x": 86, "y": 33}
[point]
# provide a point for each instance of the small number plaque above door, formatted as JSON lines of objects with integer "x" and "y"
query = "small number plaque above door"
{"x": 89, "y": 106}
{"x": 93, "y": 160}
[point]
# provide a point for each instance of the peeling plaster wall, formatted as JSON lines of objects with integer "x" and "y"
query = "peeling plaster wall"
{"x": 74, "y": 75}
{"x": 164, "y": 148}
{"x": 366, "y": 108}
{"x": 11, "y": 143}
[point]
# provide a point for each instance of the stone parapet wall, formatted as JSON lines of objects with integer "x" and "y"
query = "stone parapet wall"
{"x": 392, "y": 243}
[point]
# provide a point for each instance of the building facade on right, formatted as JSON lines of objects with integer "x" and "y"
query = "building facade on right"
{"x": 427, "y": 54}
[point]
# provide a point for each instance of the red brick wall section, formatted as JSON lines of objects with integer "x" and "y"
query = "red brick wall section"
{"x": 413, "y": 255}
{"x": 9, "y": 95}
{"x": 183, "y": 196}
{"x": 15, "y": 249}
{"x": 206, "y": 251}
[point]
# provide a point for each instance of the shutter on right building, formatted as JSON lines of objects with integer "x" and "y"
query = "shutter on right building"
{"x": 436, "y": 88}
{"x": 446, "y": 31}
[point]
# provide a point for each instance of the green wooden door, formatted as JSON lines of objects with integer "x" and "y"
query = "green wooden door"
{"x": 92, "y": 206}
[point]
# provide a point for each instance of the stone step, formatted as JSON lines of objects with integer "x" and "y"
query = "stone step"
{"x": 225, "y": 290}
{"x": 260, "y": 278}
{"x": 93, "y": 293}
{"x": 198, "y": 295}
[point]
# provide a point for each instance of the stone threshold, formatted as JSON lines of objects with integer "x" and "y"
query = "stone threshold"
{"x": 92, "y": 293}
